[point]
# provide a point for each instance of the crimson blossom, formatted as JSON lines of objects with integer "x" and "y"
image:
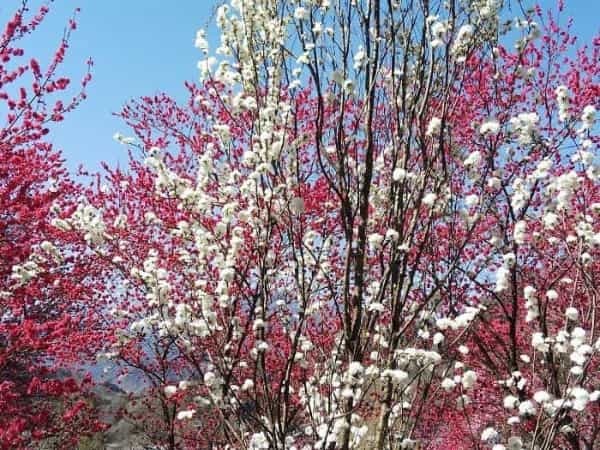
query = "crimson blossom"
{"x": 46, "y": 326}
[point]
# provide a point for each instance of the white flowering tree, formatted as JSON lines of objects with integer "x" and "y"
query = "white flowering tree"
{"x": 372, "y": 226}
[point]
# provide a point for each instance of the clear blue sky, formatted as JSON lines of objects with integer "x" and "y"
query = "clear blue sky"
{"x": 141, "y": 47}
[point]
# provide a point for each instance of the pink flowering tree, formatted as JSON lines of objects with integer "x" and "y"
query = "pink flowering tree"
{"x": 46, "y": 326}
{"x": 372, "y": 225}
{"x": 534, "y": 179}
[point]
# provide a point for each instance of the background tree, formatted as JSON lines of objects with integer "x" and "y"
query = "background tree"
{"x": 46, "y": 325}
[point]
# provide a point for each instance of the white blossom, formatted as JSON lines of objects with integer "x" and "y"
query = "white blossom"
{"x": 527, "y": 408}
{"x": 439, "y": 31}
{"x": 550, "y": 220}
{"x": 360, "y": 58}
{"x": 258, "y": 441}
{"x": 301, "y": 13}
{"x": 434, "y": 126}
{"x": 462, "y": 41}
{"x": 502, "y": 279}
{"x": 489, "y": 434}
{"x": 473, "y": 160}
{"x": 448, "y": 384}
{"x": 201, "y": 43}
{"x": 519, "y": 232}
{"x": 542, "y": 397}
{"x": 399, "y": 174}
{"x": 580, "y": 398}
{"x": 490, "y": 127}
{"x": 429, "y": 199}
{"x": 562, "y": 99}
{"x": 510, "y": 402}
{"x": 525, "y": 126}
{"x": 539, "y": 342}
{"x": 183, "y": 415}
{"x": 375, "y": 240}
{"x": 514, "y": 443}
{"x": 170, "y": 390}
{"x": 572, "y": 314}
{"x": 471, "y": 200}
{"x": 468, "y": 379}
{"x": 588, "y": 117}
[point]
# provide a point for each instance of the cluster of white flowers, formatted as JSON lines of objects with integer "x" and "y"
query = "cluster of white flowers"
{"x": 125, "y": 140}
{"x": 258, "y": 441}
{"x": 520, "y": 194}
{"x": 576, "y": 398}
{"x": 571, "y": 345}
{"x": 473, "y": 160}
{"x": 155, "y": 279}
{"x": 542, "y": 170}
{"x": 572, "y": 314}
{"x": 462, "y": 41}
{"x": 520, "y": 232}
{"x": 585, "y": 232}
{"x": 486, "y": 8}
{"x": 434, "y": 126}
{"x": 360, "y": 59}
{"x": 429, "y": 199}
{"x": 460, "y": 321}
{"x": 471, "y": 200}
{"x": 579, "y": 349}
{"x": 33, "y": 265}
{"x": 88, "y": 220}
{"x": 531, "y": 303}
{"x": 22, "y": 273}
{"x": 491, "y": 127}
{"x": 330, "y": 425}
{"x": 531, "y": 32}
{"x": 186, "y": 415}
{"x": 588, "y": 118}
{"x": 563, "y": 188}
{"x": 525, "y": 127}
{"x": 439, "y": 30}
{"x": 397, "y": 377}
{"x": 166, "y": 179}
{"x": 562, "y": 99}
{"x": 375, "y": 240}
{"x": 201, "y": 42}
{"x": 489, "y": 434}
{"x": 502, "y": 280}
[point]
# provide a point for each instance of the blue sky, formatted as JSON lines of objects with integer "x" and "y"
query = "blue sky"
{"x": 141, "y": 47}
